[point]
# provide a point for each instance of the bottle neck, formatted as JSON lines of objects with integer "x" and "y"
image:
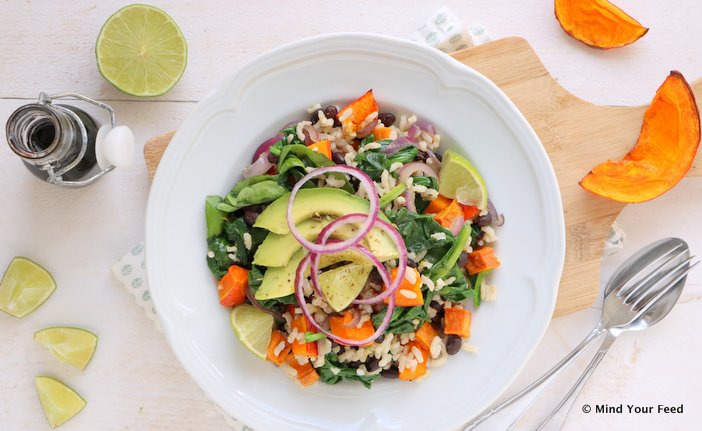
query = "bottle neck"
{"x": 44, "y": 135}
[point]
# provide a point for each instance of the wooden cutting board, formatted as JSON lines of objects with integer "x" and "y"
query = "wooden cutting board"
{"x": 577, "y": 136}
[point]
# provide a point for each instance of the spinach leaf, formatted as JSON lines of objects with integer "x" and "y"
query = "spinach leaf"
{"x": 416, "y": 231}
{"x": 402, "y": 317}
{"x": 327, "y": 376}
{"x": 372, "y": 163}
{"x": 294, "y": 159}
{"x": 261, "y": 189}
{"x": 220, "y": 262}
{"x": 255, "y": 280}
{"x": 368, "y": 139}
{"x": 448, "y": 261}
{"x": 460, "y": 289}
{"x": 404, "y": 155}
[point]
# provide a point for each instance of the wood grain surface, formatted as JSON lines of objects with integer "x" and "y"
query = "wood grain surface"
{"x": 577, "y": 136}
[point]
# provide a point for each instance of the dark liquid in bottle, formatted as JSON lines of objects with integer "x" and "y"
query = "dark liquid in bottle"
{"x": 44, "y": 135}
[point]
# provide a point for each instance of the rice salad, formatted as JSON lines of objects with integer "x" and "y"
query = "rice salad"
{"x": 351, "y": 249}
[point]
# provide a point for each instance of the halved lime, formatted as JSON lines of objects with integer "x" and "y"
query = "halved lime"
{"x": 460, "y": 180}
{"x": 60, "y": 403}
{"x": 141, "y": 51}
{"x": 253, "y": 328}
{"x": 72, "y": 346}
{"x": 342, "y": 285}
{"x": 24, "y": 287}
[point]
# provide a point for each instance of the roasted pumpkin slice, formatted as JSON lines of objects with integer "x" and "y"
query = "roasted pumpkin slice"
{"x": 598, "y": 23}
{"x": 663, "y": 153}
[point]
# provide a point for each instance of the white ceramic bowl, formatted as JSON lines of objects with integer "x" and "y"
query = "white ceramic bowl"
{"x": 216, "y": 142}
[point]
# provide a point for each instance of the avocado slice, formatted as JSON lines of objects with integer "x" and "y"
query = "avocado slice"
{"x": 342, "y": 285}
{"x": 308, "y": 203}
{"x": 279, "y": 281}
{"x": 277, "y": 249}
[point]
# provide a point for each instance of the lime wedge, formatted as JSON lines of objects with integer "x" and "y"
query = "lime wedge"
{"x": 342, "y": 285}
{"x": 460, "y": 180}
{"x": 253, "y": 328}
{"x": 60, "y": 403}
{"x": 24, "y": 287}
{"x": 72, "y": 346}
{"x": 141, "y": 51}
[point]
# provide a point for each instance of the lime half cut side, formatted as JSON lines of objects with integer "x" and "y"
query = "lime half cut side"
{"x": 141, "y": 51}
{"x": 72, "y": 346}
{"x": 460, "y": 180}
{"x": 60, "y": 403}
{"x": 253, "y": 328}
{"x": 24, "y": 287}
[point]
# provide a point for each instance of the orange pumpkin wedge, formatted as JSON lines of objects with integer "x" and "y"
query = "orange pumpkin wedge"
{"x": 598, "y": 23}
{"x": 663, "y": 153}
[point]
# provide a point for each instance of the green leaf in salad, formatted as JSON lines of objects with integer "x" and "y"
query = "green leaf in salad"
{"x": 341, "y": 372}
{"x": 214, "y": 217}
{"x": 220, "y": 262}
{"x": 311, "y": 337}
{"x": 295, "y": 159}
{"x": 404, "y": 319}
{"x": 372, "y": 163}
{"x": 448, "y": 261}
{"x": 368, "y": 139}
{"x": 261, "y": 189}
{"x": 460, "y": 289}
{"x": 417, "y": 231}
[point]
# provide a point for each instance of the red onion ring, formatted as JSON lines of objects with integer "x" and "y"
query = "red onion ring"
{"x": 311, "y": 134}
{"x": 265, "y": 146}
{"x": 456, "y": 224}
{"x": 277, "y": 316}
{"x": 355, "y": 320}
{"x": 397, "y": 145}
{"x": 369, "y": 219}
{"x": 409, "y": 201}
{"x": 362, "y": 133}
{"x": 391, "y": 285}
{"x": 259, "y": 167}
{"x": 425, "y": 126}
{"x": 497, "y": 218}
{"x": 413, "y": 132}
{"x": 300, "y": 295}
{"x": 409, "y": 168}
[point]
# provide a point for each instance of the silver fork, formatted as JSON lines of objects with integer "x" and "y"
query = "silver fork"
{"x": 631, "y": 295}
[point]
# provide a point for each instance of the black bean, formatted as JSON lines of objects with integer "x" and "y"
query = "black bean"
{"x": 252, "y": 212}
{"x": 380, "y": 339}
{"x": 331, "y": 112}
{"x": 354, "y": 364}
{"x": 375, "y": 277}
{"x": 338, "y": 158}
{"x": 422, "y": 156}
{"x": 462, "y": 259}
{"x": 314, "y": 117}
{"x": 272, "y": 158}
{"x": 372, "y": 364}
{"x": 435, "y": 305}
{"x": 411, "y": 263}
{"x": 390, "y": 373}
{"x": 355, "y": 183}
{"x": 387, "y": 119}
{"x": 436, "y": 320}
{"x": 453, "y": 344}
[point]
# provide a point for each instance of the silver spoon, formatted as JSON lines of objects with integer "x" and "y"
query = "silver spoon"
{"x": 636, "y": 286}
{"x": 666, "y": 296}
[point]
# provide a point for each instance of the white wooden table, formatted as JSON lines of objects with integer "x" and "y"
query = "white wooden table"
{"x": 134, "y": 381}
